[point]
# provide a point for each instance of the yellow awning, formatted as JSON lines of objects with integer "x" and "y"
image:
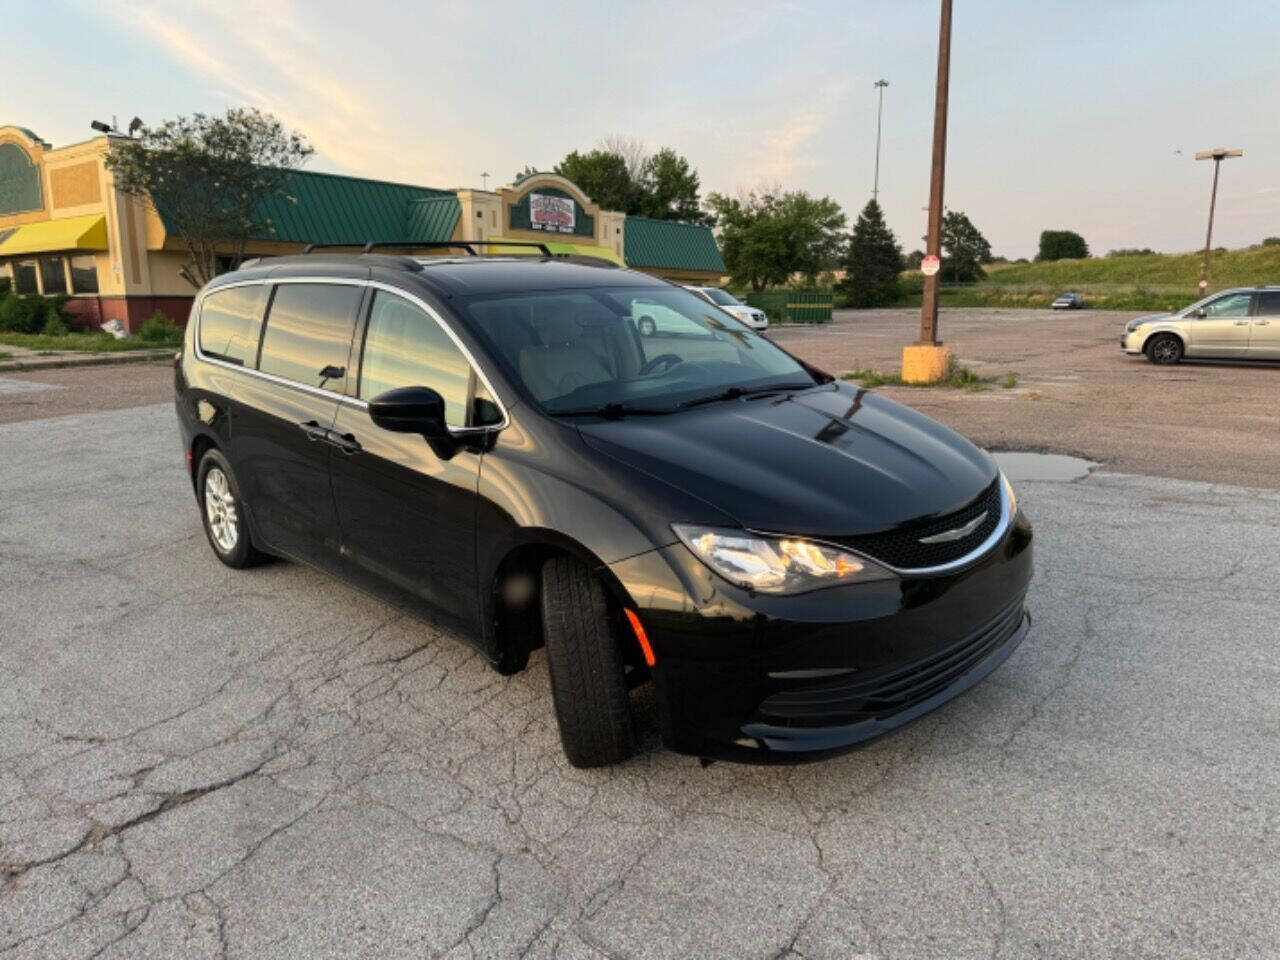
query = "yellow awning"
{"x": 495, "y": 245}
{"x": 69, "y": 233}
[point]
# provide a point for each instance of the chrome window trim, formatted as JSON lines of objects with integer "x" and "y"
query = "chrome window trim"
{"x": 330, "y": 394}
{"x": 977, "y": 553}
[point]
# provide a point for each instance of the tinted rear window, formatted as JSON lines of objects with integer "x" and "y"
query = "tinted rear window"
{"x": 1269, "y": 303}
{"x": 230, "y": 322}
{"x": 309, "y": 328}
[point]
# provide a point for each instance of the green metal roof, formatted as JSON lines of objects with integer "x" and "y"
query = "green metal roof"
{"x": 329, "y": 208}
{"x": 670, "y": 245}
{"x": 432, "y": 219}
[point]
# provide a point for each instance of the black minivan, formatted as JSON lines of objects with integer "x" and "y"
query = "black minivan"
{"x": 796, "y": 564}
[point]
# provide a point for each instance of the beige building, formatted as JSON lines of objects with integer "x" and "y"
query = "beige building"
{"x": 65, "y": 229}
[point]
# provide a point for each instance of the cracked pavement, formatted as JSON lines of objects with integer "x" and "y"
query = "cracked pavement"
{"x": 196, "y": 762}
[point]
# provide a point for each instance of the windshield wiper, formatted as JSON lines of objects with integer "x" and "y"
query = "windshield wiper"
{"x": 612, "y": 411}
{"x": 734, "y": 393}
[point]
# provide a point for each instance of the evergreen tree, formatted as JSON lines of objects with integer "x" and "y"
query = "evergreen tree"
{"x": 872, "y": 261}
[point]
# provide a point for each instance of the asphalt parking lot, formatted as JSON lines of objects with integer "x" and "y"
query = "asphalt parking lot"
{"x": 196, "y": 762}
{"x": 1076, "y": 391}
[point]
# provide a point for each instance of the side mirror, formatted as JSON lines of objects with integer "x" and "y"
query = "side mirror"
{"x": 410, "y": 410}
{"x": 1200, "y": 313}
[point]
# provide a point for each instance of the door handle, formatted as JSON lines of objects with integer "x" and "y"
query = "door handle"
{"x": 313, "y": 430}
{"x": 345, "y": 442}
{"x": 1261, "y": 323}
{"x": 1242, "y": 323}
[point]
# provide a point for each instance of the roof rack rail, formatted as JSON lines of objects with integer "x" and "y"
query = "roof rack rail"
{"x": 468, "y": 245}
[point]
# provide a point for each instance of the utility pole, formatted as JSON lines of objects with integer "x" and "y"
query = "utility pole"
{"x": 1217, "y": 155}
{"x": 875, "y": 189}
{"x": 484, "y": 177}
{"x": 929, "y": 309}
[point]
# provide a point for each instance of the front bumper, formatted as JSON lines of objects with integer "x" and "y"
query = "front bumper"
{"x": 766, "y": 679}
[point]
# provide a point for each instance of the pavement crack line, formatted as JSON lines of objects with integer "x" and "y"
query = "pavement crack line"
{"x": 12, "y": 873}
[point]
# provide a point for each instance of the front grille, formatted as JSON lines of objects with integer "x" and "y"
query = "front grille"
{"x": 902, "y": 549}
{"x": 863, "y": 698}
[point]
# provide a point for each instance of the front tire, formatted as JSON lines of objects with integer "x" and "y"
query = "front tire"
{"x": 222, "y": 510}
{"x": 584, "y": 656}
{"x": 1164, "y": 349}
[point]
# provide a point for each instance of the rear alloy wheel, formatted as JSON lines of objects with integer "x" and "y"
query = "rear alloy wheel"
{"x": 1164, "y": 349}
{"x": 223, "y": 514}
{"x": 584, "y": 655}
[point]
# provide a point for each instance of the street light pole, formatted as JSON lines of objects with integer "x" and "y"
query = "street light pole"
{"x": 1217, "y": 155}
{"x": 875, "y": 189}
{"x": 929, "y": 308}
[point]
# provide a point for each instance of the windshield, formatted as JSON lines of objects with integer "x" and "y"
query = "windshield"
{"x": 722, "y": 298}
{"x": 626, "y": 348}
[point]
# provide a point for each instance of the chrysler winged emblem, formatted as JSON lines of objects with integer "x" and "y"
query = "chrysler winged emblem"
{"x": 959, "y": 533}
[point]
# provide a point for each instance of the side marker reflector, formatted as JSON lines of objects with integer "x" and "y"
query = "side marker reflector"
{"x": 638, "y": 628}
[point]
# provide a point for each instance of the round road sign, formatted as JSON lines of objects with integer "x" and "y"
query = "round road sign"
{"x": 930, "y": 265}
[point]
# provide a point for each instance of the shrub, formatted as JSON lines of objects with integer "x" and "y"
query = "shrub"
{"x": 158, "y": 328}
{"x": 21, "y": 314}
{"x": 1266, "y": 242}
{"x": 28, "y": 314}
{"x": 54, "y": 326}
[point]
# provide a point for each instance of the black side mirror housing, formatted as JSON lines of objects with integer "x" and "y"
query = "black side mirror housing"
{"x": 410, "y": 410}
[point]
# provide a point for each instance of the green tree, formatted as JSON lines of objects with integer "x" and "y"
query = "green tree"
{"x": 604, "y": 178}
{"x": 964, "y": 249}
{"x": 668, "y": 189}
{"x": 206, "y": 176}
{"x": 620, "y": 175}
{"x": 872, "y": 260}
{"x": 1062, "y": 245}
{"x": 768, "y": 236}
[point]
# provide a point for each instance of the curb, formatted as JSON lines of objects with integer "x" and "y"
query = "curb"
{"x": 90, "y": 360}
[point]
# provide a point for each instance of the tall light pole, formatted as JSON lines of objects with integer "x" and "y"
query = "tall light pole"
{"x": 1217, "y": 155}
{"x": 485, "y": 179}
{"x": 875, "y": 189}
{"x": 929, "y": 309}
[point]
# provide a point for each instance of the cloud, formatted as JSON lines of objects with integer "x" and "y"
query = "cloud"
{"x": 306, "y": 81}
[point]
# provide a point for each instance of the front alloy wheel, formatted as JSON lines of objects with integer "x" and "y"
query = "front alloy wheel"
{"x": 1164, "y": 349}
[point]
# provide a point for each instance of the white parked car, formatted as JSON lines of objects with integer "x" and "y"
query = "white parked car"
{"x": 753, "y": 317}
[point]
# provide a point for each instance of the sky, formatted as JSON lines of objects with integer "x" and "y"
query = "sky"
{"x": 1081, "y": 115}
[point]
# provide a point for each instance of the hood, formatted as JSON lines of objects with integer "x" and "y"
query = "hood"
{"x": 1136, "y": 322}
{"x": 835, "y": 461}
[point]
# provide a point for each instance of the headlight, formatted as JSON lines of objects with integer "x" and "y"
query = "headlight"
{"x": 1010, "y": 495}
{"x": 774, "y": 564}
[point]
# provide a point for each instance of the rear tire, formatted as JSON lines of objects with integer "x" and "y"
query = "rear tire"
{"x": 1164, "y": 349}
{"x": 223, "y": 512}
{"x": 584, "y": 656}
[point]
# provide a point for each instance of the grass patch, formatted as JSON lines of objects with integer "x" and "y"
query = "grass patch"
{"x": 958, "y": 378}
{"x": 82, "y": 342}
{"x": 5, "y": 356}
{"x": 1010, "y": 380}
{"x": 1156, "y": 282}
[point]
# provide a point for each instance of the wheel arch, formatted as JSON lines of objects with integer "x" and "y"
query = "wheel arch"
{"x": 1172, "y": 331}
{"x": 200, "y": 444}
{"x": 512, "y": 613}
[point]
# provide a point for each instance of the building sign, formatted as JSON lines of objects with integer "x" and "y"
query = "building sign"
{"x": 551, "y": 213}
